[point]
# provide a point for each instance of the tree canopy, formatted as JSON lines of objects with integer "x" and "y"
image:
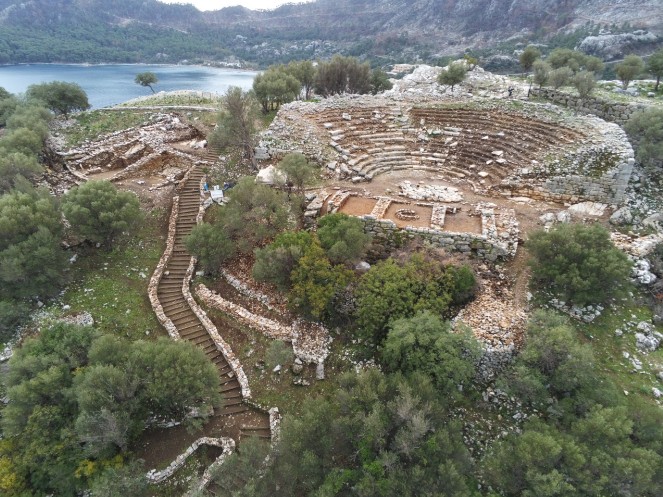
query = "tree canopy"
{"x": 59, "y": 96}
{"x": 645, "y": 129}
{"x": 578, "y": 264}
{"x": 584, "y": 82}
{"x": 275, "y": 263}
{"x": 146, "y": 78}
{"x": 99, "y": 212}
{"x": 77, "y": 399}
{"x": 655, "y": 66}
{"x": 211, "y": 245}
{"x": 31, "y": 260}
{"x": 390, "y": 291}
{"x": 235, "y": 127}
{"x": 574, "y": 60}
{"x": 343, "y": 238}
{"x": 298, "y": 170}
{"x": 454, "y": 74}
{"x": 528, "y": 57}
{"x": 629, "y": 69}
{"x": 541, "y": 71}
{"x": 342, "y": 75}
{"x": 274, "y": 87}
{"x": 378, "y": 435}
{"x": 425, "y": 344}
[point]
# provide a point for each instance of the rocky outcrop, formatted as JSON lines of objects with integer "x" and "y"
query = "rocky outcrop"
{"x": 612, "y": 46}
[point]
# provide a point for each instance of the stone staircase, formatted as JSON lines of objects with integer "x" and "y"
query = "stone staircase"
{"x": 176, "y": 307}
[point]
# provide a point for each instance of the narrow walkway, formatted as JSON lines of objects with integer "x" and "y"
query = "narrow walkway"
{"x": 177, "y": 309}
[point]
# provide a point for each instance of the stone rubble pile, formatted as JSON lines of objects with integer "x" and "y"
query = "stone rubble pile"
{"x": 498, "y": 322}
{"x": 586, "y": 314}
{"x": 638, "y": 249}
{"x": 430, "y": 193}
{"x": 647, "y": 339}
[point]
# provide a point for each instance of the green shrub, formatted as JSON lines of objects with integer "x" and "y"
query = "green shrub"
{"x": 578, "y": 264}
{"x": 343, "y": 238}
{"x": 390, "y": 291}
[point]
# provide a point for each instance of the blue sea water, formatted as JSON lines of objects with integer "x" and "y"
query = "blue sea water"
{"x": 111, "y": 84}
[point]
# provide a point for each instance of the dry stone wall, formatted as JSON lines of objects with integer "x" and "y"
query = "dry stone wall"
{"x": 221, "y": 344}
{"x": 152, "y": 288}
{"x": 615, "y": 112}
{"x": 478, "y": 245}
{"x": 226, "y": 444}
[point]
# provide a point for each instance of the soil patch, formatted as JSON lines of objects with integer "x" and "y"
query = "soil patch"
{"x": 462, "y": 222}
{"x": 158, "y": 447}
{"x": 358, "y": 206}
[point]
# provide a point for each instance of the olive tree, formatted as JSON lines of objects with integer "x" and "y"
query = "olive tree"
{"x": 655, "y": 66}
{"x": 210, "y": 245}
{"x": 541, "y": 72}
{"x": 629, "y": 69}
{"x": 560, "y": 77}
{"x": 298, "y": 170}
{"x": 584, "y": 82}
{"x": 59, "y": 96}
{"x": 274, "y": 87}
{"x": 454, "y": 74}
{"x": 304, "y": 71}
{"x": 236, "y": 125}
{"x": 528, "y": 57}
{"x": 99, "y": 212}
{"x": 147, "y": 79}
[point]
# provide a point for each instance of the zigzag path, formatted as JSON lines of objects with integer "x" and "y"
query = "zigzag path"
{"x": 189, "y": 326}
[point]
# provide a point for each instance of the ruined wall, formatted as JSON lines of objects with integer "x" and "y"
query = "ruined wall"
{"x": 615, "y": 112}
{"x": 479, "y": 245}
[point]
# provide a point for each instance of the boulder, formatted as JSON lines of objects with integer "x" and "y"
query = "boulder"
{"x": 621, "y": 216}
{"x": 594, "y": 209}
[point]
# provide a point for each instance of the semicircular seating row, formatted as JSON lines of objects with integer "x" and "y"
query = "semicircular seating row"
{"x": 483, "y": 146}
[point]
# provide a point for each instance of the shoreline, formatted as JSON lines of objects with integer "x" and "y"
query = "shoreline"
{"x": 126, "y": 64}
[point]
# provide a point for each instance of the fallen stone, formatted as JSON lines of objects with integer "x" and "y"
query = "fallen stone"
{"x": 588, "y": 209}
{"x": 621, "y": 216}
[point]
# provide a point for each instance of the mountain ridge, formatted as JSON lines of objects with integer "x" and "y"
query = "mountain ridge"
{"x": 396, "y": 30}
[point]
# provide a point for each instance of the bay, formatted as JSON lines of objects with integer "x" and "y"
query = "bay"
{"x": 111, "y": 84}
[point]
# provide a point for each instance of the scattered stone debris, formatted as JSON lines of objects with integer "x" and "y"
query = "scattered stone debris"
{"x": 647, "y": 339}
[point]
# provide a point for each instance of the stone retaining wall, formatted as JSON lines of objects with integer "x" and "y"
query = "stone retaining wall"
{"x": 310, "y": 341}
{"x": 158, "y": 273}
{"x": 616, "y": 112}
{"x": 139, "y": 166}
{"x": 269, "y": 327}
{"x": 479, "y": 245}
{"x": 238, "y": 285}
{"x": 221, "y": 344}
{"x": 227, "y": 444}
